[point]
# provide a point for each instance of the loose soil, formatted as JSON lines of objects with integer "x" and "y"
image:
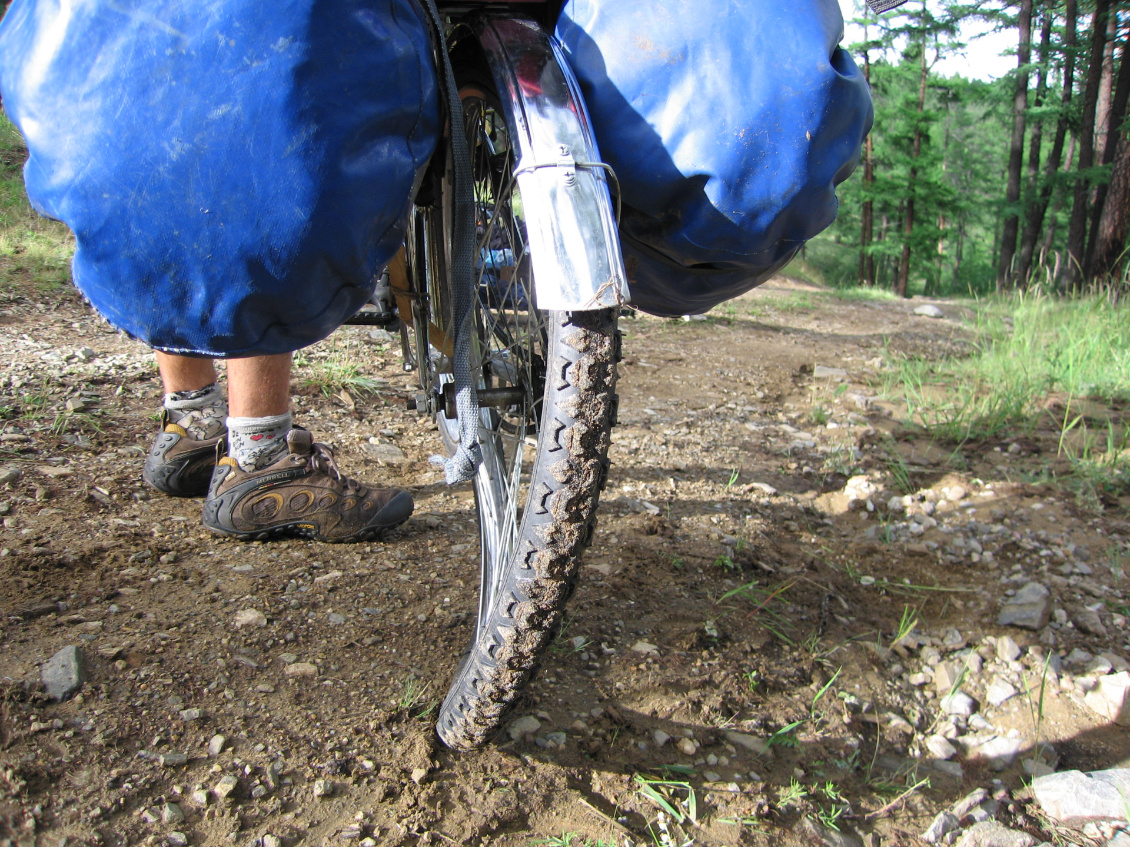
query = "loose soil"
{"x": 734, "y": 586}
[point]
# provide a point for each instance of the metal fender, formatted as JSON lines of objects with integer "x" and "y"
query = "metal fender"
{"x": 570, "y": 224}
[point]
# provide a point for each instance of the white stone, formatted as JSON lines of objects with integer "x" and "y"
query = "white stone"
{"x": 1000, "y": 692}
{"x": 929, "y": 311}
{"x": 993, "y": 834}
{"x": 940, "y": 748}
{"x": 1073, "y": 798}
{"x": 301, "y": 670}
{"x": 943, "y": 824}
{"x": 749, "y": 742}
{"x": 528, "y": 725}
{"x": 822, "y": 372}
{"x": 958, "y": 703}
{"x": 1007, "y": 649}
{"x": 1111, "y": 698}
{"x": 1000, "y": 752}
{"x": 250, "y": 617}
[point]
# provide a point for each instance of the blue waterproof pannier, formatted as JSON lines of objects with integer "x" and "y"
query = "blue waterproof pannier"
{"x": 729, "y": 123}
{"x": 234, "y": 171}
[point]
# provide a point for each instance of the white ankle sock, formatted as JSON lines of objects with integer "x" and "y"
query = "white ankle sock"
{"x": 256, "y": 442}
{"x": 201, "y": 412}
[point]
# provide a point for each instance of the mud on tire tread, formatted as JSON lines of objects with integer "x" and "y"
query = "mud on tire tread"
{"x": 566, "y": 478}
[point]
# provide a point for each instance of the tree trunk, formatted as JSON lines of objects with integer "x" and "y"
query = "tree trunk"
{"x": 1115, "y": 221}
{"x": 867, "y": 223}
{"x": 1106, "y": 86}
{"x": 1111, "y": 138}
{"x": 1077, "y": 231}
{"x": 958, "y": 250}
{"x": 1049, "y": 233}
{"x": 1028, "y": 237}
{"x": 1005, "y": 275}
{"x": 903, "y": 279}
{"x": 1038, "y": 210}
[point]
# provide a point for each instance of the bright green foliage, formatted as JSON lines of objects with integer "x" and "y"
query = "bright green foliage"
{"x": 32, "y": 249}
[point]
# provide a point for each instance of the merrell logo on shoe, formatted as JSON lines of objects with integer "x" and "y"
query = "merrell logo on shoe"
{"x": 285, "y": 476}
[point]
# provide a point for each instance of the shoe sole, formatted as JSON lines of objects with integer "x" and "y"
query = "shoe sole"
{"x": 395, "y": 513}
{"x": 168, "y": 477}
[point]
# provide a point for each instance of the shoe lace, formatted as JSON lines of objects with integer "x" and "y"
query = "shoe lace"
{"x": 322, "y": 459}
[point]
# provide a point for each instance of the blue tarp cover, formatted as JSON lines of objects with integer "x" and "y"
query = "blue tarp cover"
{"x": 729, "y": 123}
{"x": 234, "y": 171}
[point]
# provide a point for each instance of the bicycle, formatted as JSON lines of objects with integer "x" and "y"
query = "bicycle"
{"x": 522, "y": 369}
{"x": 537, "y": 335}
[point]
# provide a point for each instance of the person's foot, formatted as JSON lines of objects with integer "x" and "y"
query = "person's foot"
{"x": 178, "y": 464}
{"x": 301, "y": 493}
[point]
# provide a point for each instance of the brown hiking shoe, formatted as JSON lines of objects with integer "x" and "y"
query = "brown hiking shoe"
{"x": 301, "y": 493}
{"x": 180, "y": 465}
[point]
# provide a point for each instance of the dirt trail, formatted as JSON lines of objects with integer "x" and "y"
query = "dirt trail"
{"x": 767, "y": 526}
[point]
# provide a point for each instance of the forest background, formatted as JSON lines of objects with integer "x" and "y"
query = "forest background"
{"x": 969, "y": 186}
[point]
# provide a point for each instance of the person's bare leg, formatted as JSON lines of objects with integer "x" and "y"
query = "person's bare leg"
{"x": 184, "y": 373}
{"x": 259, "y": 386}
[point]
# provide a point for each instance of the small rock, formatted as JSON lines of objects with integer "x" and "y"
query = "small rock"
{"x": 10, "y": 475}
{"x": 1000, "y": 752}
{"x": 225, "y": 787}
{"x": 1034, "y": 768}
{"x": 822, "y": 372}
{"x": 301, "y": 670}
{"x": 528, "y": 725}
{"x": 189, "y": 715}
{"x": 644, "y": 647}
{"x": 660, "y": 737}
{"x": 172, "y": 814}
{"x": 173, "y": 760}
{"x": 958, "y": 703}
{"x": 822, "y": 836}
{"x": 216, "y": 745}
{"x": 929, "y": 310}
{"x": 749, "y": 742}
{"x": 177, "y": 839}
{"x": 323, "y": 788}
{"x": 1088, "y": 621}
{"x": 250, "y": 617}
{"x": 1111, "y": 698}
{"x": 200, "y": 797}
{"x": 64, "y": 673}
{"x": 946, "y": 677}
{"x": 993, "y": 834}
{"x": 940, "y": 748}
{"x": 999, "y": 692}
{"x": 388, "y": 454}
{"x": 418, "y": 775}
{"x": 687, "y": 746}
{"x": 942, "y": 825}
{"x": 272, "y": 841}
{"x": 1007, "y": 649}
{"x": 1029, "y": 608}
{"x": 976, "y": 806}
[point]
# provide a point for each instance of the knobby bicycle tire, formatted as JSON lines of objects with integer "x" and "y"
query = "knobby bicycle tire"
{"x": 536, "y": 523}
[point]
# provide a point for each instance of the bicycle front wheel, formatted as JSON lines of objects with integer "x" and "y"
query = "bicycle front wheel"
{"x": 546, "y": 385}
